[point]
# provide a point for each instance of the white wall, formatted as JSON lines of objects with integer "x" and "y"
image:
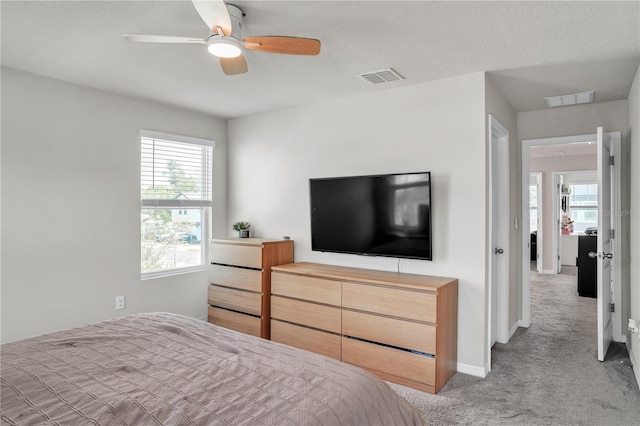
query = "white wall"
{"x": 579, "y": 177}
{"x": 71, "y": 205}
{"x": 634, "y": 215}
{"x": 563, "y": 163}
{"x": 437, "y": 126}
{"x": 573, "y": 120}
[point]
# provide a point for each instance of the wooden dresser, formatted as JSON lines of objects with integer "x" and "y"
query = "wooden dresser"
{"x": 240, "y": 282}
{"x": 401, "y": 327}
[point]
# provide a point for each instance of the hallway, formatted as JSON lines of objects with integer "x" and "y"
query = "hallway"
{"x": 547, "y": 374}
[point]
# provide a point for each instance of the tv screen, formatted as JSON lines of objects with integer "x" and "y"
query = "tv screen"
{"x": 381, "y": 215}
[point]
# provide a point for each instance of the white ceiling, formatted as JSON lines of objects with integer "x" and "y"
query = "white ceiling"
{"x": 531, "y": 49}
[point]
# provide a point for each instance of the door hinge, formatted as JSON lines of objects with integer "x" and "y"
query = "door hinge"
{"x": 612, "y": 161}
{"x": 558, "y": 257}
{"x": 613, "y": 307}
{"x": 613, "y": 233}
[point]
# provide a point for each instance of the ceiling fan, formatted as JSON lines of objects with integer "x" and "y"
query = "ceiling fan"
{"x": 225, "y": 40}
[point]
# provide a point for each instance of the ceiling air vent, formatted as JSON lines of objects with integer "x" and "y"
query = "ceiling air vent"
{"x": 572, "y": 99}
{"x": 382, "y": 76}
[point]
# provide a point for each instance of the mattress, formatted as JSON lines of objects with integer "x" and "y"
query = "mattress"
{"x": 166, "y": 369}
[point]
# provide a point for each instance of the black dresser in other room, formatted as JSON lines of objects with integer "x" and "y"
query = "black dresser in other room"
{"x": 587, "y": 266}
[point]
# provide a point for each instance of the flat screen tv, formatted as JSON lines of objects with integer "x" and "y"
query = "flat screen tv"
{"x": 379, "y": 215}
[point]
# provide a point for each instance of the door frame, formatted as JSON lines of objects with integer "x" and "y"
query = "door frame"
{"x": 619, "y": 322}
{"x": 525, "y": 293}
{"x": 556, "y": 243}
{"x": 497, "y": 300}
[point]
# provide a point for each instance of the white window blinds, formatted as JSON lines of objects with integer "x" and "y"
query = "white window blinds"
{"x": 175, "y": 171}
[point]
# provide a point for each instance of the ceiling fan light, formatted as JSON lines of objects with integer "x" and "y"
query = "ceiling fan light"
{"x": 225, "y": 48}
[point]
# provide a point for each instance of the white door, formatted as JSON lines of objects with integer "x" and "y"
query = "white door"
{"x": 500, "y": 225}
{"x": 604, "y": 246}
{"x": 494, "y": 265}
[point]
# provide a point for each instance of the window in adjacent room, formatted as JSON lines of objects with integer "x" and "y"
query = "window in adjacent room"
{"x": 175, "y": 188}
{"x": 533, "y": 207}
{"x": 583, "y": 204}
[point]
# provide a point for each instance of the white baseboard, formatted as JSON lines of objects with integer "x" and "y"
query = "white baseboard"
{"x": 514, "y": 329}
{"x": 204, "y": 318}
{"x": 548, "y": 271}
{"x": 636, "y": 367}
{"x": 472, "y": 370}
{"x": 521, "y": 323}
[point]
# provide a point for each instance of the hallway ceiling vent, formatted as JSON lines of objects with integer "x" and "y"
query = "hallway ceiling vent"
{"x": 382, "y": 76}
{"x": 572, "y": 99}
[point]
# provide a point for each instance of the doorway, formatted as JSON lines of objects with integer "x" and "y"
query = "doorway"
{"x": 553, "y": 261}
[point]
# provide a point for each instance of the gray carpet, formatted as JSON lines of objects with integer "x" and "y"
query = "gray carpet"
{"x": 547, "y": 374}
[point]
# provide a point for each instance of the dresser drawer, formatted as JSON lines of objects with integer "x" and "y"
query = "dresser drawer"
{"x": 307, "y": 288}
{"x": 241, "y": 278}
{"x": 391, "y": 361}
{"x": 249, "y": 256}
{"x": 306, "y": 338}
{"x": 235, "y": 321}
{"x": 415, "y": 305}
{"x": 305, "y": 313}
{"x": 390, "y": 331}
{"x": 238, "y": 300}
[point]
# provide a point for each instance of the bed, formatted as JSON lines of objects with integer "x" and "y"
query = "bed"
{"x": 166, "y": 369}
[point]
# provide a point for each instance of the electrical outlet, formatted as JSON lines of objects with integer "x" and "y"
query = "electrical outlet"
{"x": 119, "y": 303}
{"x": 634, "y": 327}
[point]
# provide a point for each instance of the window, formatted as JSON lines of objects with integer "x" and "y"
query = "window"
{"x": 175, "y": 189}
{"x": 533, "y": 208}
{"x": 583, "y": 204}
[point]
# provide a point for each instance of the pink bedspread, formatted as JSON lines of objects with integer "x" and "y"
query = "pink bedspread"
{"x": 165, "y": 369}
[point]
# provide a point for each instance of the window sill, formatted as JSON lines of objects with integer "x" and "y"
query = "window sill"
{"x": 172, "y": 272}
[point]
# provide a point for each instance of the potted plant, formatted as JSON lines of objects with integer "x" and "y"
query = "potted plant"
{"x": 242, "y": 228}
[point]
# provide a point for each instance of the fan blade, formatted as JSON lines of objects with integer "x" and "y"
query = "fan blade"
{"x": 163, "y": 39}
{"x": 233, "y": 66}
{"x": 214, "y": 13}
{"x": 288, "y": 45}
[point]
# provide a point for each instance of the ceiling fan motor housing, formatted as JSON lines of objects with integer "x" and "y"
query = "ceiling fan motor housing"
{"x": 235, "y": 14}
{"x": 226, "y": 45}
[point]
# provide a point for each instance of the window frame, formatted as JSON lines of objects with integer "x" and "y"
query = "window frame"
{"x": 204, "y": 206}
